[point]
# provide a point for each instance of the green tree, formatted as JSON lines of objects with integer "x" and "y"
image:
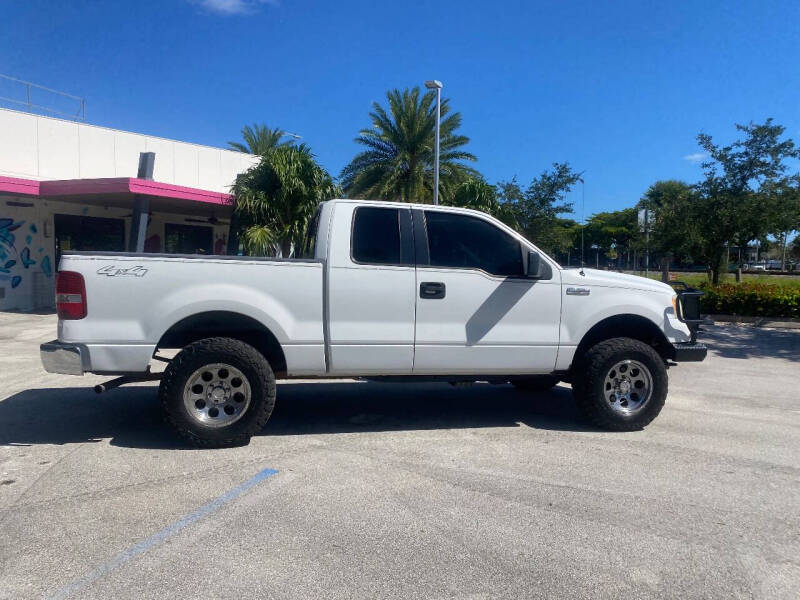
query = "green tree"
{"x": 476, "y": 193}
{"x": 613, "y": 232}
{"x": 566, "y": 238}
{"x": 730, "y": 198}
{"x": 275, "y": 199}
{"x": 260, "y": 138}
{"x": 782, "y": 202}
{"x": 536, "y": 208}
{"x": 398, "y": 161}
{"x": 673, "y": 223}
{"x": 794, "y": 248}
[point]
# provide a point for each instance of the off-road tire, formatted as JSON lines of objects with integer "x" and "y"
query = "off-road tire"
{"x": 589, "y": 378}
{"x": 209, "y": 351}
{"x": 536, "y": 383}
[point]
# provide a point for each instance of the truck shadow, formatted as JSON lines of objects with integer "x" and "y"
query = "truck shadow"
{"x": 348, "y": 407}
{"x": 131, "y": 416}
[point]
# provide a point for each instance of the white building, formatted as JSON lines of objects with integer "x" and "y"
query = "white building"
{"x": 70, "y": 186}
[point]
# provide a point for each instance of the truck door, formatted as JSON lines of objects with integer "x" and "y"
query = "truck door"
{"x": 371, "y": 291}
{"x": 477, "y": 313}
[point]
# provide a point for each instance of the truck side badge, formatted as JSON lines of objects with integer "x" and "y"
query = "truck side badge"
{"x": 112, "y": 271}
{"x": 573, "y": 291}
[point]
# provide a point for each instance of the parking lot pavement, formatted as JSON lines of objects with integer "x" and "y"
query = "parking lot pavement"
{"x": 394, "y": 491}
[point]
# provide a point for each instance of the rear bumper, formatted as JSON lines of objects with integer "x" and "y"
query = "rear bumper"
{"x": 58, "y": 357}
{"x": 73, "y": 358}
{"x": 689, "y": 352}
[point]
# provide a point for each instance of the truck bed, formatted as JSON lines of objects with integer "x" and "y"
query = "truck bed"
{"x": 133, "y": 299}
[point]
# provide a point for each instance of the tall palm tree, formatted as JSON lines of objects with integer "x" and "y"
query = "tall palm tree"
{"x": 260, "y": 138}
{"x": 398, "y": 161}
{"x": 275, "y": 199}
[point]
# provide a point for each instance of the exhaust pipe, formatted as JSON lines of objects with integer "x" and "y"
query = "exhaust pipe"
{"x": 115, "y": 383}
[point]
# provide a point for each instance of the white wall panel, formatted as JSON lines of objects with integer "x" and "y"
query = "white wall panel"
{"x": 127, "y": 147}
{"x": 231, "y": 165}
{"x": 186, "y": 168}
{"x": 96, "y": 148}
{"x": 164, "y": 168}
{"x": 18, "y": 145}
{"x": 59, "y": 150}
{"x": 209, "y": 172}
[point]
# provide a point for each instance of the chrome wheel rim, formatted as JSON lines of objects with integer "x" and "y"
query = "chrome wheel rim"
{"x": 217, "y": 395}
{"x": 628, "y": 387}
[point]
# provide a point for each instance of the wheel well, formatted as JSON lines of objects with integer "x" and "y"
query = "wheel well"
{"x": 630, "y": 326}
{"x": 226, "y": 324}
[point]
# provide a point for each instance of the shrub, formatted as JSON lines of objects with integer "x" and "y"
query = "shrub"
{"x": 751, "y": 299}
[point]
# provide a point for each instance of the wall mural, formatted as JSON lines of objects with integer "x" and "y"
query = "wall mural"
{"x": 14, "y": 263}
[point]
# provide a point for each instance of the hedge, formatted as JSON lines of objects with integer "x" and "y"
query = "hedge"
{"x": 751, "y": 300}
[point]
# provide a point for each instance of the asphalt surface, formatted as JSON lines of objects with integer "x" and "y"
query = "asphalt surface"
{"x": 364, "y": 490}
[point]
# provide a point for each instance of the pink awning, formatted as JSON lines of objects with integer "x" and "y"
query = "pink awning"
{"x": 113, "y": 186}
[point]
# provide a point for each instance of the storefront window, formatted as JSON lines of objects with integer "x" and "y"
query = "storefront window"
{"x": 79, "y": 232}
{"x": 188, "y": 239}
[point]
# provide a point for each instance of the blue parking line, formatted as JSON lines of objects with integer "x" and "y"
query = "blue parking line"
{"x": 160, "y": 537}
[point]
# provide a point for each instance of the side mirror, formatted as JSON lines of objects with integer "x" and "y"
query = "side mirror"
{"x": 538, "y": 268}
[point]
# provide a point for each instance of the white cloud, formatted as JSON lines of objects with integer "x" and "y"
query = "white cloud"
{"x": 697, "y": 157}
{"x": 234, "y": 7}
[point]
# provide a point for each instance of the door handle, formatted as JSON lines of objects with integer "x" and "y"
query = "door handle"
{"x": 432, "y": 290}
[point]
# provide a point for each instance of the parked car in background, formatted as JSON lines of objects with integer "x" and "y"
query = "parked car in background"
{"x": 774, "y": 265}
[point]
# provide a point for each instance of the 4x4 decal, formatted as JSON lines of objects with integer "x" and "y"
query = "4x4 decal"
{"x": 112, "y": 271}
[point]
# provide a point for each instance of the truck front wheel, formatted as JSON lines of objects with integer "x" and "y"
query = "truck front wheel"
{"x": 218, "y": 392}
{"x": 620, "y": 384}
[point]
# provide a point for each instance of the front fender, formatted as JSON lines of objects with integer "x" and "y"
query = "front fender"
{"x": 581, "y": 313}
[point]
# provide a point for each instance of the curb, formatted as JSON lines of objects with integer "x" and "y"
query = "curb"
{"x": 768, "y": 322}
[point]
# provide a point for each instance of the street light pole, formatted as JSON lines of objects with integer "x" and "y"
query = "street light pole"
{"x": 437, "y": 85}
{"x": 583, "y": 217}
{"x": 647, "y": 242}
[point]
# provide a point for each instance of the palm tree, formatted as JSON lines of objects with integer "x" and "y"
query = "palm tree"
{"x": 260, "y": 138}
{"x": 275, "y": 199}
{"x": 398, "y": 161}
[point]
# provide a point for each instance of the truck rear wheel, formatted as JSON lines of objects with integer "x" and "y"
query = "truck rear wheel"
{"x": 218, "y": 392}
{"x": 620, "y": 384}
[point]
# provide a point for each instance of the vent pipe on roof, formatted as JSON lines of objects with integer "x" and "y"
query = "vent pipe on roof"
{"x": 141, "y": 205}
{"x": 147, "y": 161}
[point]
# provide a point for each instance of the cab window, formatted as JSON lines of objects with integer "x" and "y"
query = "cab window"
{"x": 376, "y": 236}
{"x": 466, "y": 242}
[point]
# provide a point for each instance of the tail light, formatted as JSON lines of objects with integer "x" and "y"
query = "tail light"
{"x": 70, "y": 295}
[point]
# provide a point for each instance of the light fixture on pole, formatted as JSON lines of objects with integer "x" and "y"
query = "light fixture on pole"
{"x": 434, "y": 84}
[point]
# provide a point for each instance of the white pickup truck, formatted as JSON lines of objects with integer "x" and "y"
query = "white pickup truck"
{"x": 382, "y": 290}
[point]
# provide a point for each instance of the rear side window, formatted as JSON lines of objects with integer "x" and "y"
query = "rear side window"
{"x": 470, "y": 243}
{"x": 376, "y": 236}
{"x": 310, "y": 242}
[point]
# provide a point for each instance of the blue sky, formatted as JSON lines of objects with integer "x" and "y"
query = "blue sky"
{"x": 618, "y": 89}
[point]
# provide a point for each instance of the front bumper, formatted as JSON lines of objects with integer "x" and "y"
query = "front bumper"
{"x": 58, "y": 357}
{"x": 689, "y": 352}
